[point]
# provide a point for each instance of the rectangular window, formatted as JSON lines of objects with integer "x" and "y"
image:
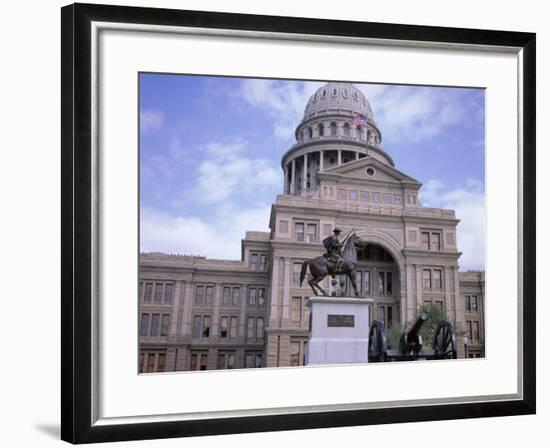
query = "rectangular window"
{"x": 206, "y": 326}
{"x": 210, "y": 295}
{"x": 161, "y": 366}
{"x": 224, "y": 326}
{"x": 427, "y": 279}
{"x": 158, "y": 292}
{"x": 144, "y": 328}
{"x": 249, "y": 361}
{"x": 294, "y": 353}
{"x": 204, "y": 361}
{"x": 296, "y": 309}
{"x": 261, "y": 296}
{"x": 226, "y": 295}
{"x": 197, "y": 326}
{"x": 467, "y": 303}
{"x": 236, "y": 295}
{"x": 258, "y": 363}
{"x": 221, "y": 361}
{"x": 254, "y": 258}
{"x": 148, "y": 292}
{"x": 397, "y": 198}
{"x": 260, "y": 327}
{"x": 359, "y": 281}
{"x": 353, "y": 195}
{"x": 367, "y": 283}
{"x": 342, "y": 194}
{"x": 364, "y": 196}
{"x": 299, "y": 230}
{"x": 141, "y": 361}
{"x": 469, "y": 328}
{"x": 233, "y": 332}
{"x": 165, "y": 325}
{"x": 425, "y": 240}
{"x": 194, "y": 363}
{"x": 436, "y": 241}
{"x": 155, "y": 325}
{"x": 476, "y": 331}
{"x": 168, "y": 293}
{"x": 312, "y": 233}
{"x": 252, "y": 296}
{"x": 437, "y": 279}
{"x": 381, "y": 284}
{"x": 474, "y": 303}
{"x": 296, "y": 270}
{"x": 150, "y": 362}
{"x": 263, "y": 262}
{"x": 386, "y": 198}
{"x": 390, "y": 316}
{"x": 199, "y": 295}
{"x": 376, "y": 197}
{"x": 250, "y": 327}
{"x": 140, "y": 291}
{"x": 389, "y": 284}
{"x": 231, "y": 361}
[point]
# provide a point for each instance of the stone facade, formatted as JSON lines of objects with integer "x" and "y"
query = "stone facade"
{"x": 197, "y": 313}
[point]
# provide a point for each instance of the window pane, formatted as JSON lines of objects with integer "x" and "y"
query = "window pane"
{"x": 467, "y": 303}
{"x": 204, "y": 361}
{"x": 263, "y": 262}
{"x": 233, "y": 333}
{"x": 194, "y": 361}
{"x": 296, "y": 270}
{"x": 206, "y": 326}
{"x": 294, "y": 353}
{"x": 165, "y": 325}
{"x": 299, "y": 230}
{"x": 359, "y": 281}
{"x": 258, "y": 361}
{"x": 427, "y": 278}
{"x": 425, "y": 240}
{"x": 236, "y": 296}
{"x": 261, "y": 296}
{"x": 158, "y": 292}
{"x": 296, "y": 307}
{"x": 199, "y": 295}
{"x": 389, "y": 288}
{"x": 254, "y": 262}
{"x": 260, "y": 327}
{"x": 367, "y": 282}
{"x": 252, "y": 296}
{"x": 311, "y": 233}
{"x": 197, "y": 327}
{"x": 474, "y": 303}
{"x": 168, "y": 293}
{"x": 221, "y": 361}
{"x": 437, "y": 279}
{"x": 148, "y": 292}
{"x": 250, "y": 327}
{"x": 144, "y": 325}
{"x": 150, "y": 362}
{"x": 155, "y": 325}
{"x": 390, "y": 316}
{"x": 223, "y": 326}
{"x": 226, "y": 295}
{"x": 436, "y": 241}
{"x": 161, "y": 362}
{"x": 249, "y": 361}
{"x": 380, "y": 283}
{"x": 210, "y": 295}
{"x": 141, "y": 361}
{"x": 231, "y": 361}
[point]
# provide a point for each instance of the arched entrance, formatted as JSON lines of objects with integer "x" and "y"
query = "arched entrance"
{"x": 378, "y": 279}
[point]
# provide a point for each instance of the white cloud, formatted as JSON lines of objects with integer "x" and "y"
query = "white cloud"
{"x": 220, "y": 238}
{"x": 283, "y": 101}
{"x": 406, "y": 114}
{"x": 468, "y": 202}
{"x": 151, "y": 120}
{"x": 229, "y": 172}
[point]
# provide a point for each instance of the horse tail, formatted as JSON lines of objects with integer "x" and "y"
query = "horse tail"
{"x": 304, "y": 271}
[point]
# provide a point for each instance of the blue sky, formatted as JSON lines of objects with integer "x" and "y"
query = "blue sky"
{"x": 211, "y": 149}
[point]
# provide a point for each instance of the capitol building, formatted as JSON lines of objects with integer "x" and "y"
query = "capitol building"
{"x": 204, "y": 314}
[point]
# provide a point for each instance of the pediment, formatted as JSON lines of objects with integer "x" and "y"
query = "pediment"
{"x": 371, "y": 169}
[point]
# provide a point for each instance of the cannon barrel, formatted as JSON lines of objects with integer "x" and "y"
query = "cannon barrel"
{"x": 411, "y": 341}
{"x": 413, "y": 332}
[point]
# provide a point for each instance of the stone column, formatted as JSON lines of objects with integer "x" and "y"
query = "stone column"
{"x": 410, "y": 300}
{"x": 321, "y": 160}
{"x": 274, "y": 313}
{"x": 447, "y": 285}
{"x": 285, "y": 187}
{"x": 339, "y": 157}
{"x": 304, "y": 175}
{"x": 242, "y": 316}
{"x": 178, "y": 300}
{"x": 418, "y": 289}
{"x": 187, "y": 305}
{"x": 215, "y": 323}
{"x": 458, "y": 303}
{"x": 293, "y": 177}
{"x": 356, "y": 156}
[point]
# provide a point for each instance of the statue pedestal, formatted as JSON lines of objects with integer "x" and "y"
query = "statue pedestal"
{"x": 338, "y": 330}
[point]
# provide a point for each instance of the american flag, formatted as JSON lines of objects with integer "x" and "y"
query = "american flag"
{"x": 360, "y": 119}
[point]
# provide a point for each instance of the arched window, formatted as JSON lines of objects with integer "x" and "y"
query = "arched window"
{"x": 355, "y": 97}
{"x": 345, "y": 93}
{"x": 324, "y": 94}
{"x": 309, "y": 133}
{"x": 359, "y": 132}
{"x": 321, "y": 130}
{"x": 346, "y": 130}
{"x": 333, "y": 129}
{"x": 334, "y": 92}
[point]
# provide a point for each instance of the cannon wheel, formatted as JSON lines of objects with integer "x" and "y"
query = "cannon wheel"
{"x": 377, "y": 342}
{"x": 444, "y": 341}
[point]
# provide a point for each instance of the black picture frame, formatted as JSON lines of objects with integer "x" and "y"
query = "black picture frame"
{"x": 76, "y": 232}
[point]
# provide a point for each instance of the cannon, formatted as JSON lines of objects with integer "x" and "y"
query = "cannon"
{"x": 410, "y": 343}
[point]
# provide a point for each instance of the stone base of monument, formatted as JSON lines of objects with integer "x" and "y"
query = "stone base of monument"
{"x": 338, "y": 330}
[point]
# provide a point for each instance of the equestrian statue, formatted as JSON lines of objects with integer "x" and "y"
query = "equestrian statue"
{"x": 340, "y": 259}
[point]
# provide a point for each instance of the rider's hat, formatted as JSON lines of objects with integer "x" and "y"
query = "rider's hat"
{"x": 337, "y": 230}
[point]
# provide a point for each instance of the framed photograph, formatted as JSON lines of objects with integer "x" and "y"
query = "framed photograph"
{"x": 275, "y": 223}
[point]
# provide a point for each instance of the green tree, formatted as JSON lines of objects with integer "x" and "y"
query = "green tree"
{"x": 393, "y": 334}
{"x": 435, "y": 315}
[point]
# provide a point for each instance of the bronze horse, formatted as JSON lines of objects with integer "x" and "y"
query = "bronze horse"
{"x": 320, "y": 267}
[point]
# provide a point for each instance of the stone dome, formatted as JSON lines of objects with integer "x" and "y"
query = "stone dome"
{"x": 338, "y": 95}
